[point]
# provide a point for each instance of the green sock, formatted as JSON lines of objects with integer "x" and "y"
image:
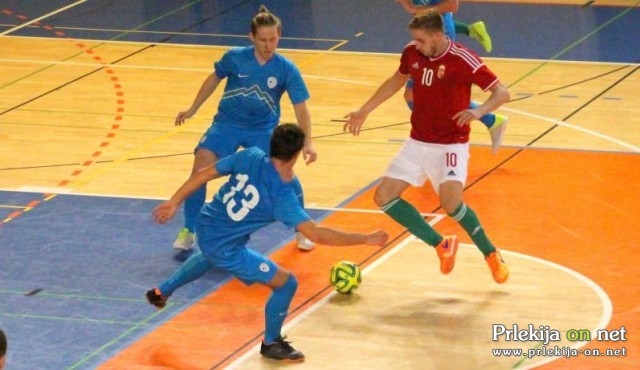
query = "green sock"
{"x": 406, "y": 215}
{"x": 468, "y": 219}
{"x": 461, "y": 28}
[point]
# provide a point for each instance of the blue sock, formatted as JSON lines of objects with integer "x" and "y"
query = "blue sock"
{"x": 276, "y": 309}
{"x": 189, "y": 271}
{"x": 488, "y": 119}
{"x": 297, "y": 187}
{"x": 192, "y": 206}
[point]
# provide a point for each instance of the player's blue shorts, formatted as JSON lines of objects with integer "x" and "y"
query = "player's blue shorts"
{"x": 245, "y": 264}
{"x": 224, "y": 139}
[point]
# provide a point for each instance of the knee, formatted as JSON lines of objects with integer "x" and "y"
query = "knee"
{"x": 381, "y": 197}
{"x": 292, "y": 282}
{"x": 450, "y": 204}
{"x": 290, "y": 285}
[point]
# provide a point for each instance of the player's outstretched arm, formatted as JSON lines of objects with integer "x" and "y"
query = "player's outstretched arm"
{"x": 499, "y": 96}
{"x": 208, "y": 87}
{"x": 165, "y": 211}
{"x": 304, "y": 121}
{"x": 330, "y": 236}
{"x": 356, "y": 119}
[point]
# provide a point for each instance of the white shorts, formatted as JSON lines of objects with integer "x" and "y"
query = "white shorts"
{"x": 418, "y": 161}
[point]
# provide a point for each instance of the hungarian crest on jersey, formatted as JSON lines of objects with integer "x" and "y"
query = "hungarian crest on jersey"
{"x": 441, "y": 69}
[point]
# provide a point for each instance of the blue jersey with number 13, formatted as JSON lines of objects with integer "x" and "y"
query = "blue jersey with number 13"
{"x": 253, "y": 197}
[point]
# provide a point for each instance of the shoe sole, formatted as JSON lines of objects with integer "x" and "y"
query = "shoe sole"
{"x": 304, "y": 244}
{"x": 503, "y": 280}
{"x": 497, "y": 143}
{"x": 183, "y": 248}
{"x": 284, "y": 360}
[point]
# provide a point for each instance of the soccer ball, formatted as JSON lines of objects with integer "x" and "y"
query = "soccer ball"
{"x": 345, "y": 277}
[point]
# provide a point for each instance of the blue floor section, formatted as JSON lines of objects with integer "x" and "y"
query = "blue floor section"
{"x": 519, "y": 30}
{"x": 74, "y": 271}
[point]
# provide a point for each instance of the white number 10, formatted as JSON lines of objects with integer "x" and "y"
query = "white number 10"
{"x": 427, "y": 76}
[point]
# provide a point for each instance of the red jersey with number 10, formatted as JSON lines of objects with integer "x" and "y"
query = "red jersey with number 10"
{"x": 442, "y": 88}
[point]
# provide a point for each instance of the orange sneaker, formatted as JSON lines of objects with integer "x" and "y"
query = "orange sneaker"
{"x": 498, "y": 268}
{"x": 447, "y": 250}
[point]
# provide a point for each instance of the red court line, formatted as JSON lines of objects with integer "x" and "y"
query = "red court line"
{"x": 110, "y": 135}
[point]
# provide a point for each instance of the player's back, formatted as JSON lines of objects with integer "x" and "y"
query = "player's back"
{"x": 253, "y": 197}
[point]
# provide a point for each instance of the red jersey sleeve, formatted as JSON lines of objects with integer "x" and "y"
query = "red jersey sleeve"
{"x": 404, "y": 60}
{"x": 484, "y": 78}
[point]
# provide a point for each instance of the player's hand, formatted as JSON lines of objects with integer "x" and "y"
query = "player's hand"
{"x": 355, "y": 120}
{"x": 182, "y": 116}
{"x": 378, "y": 238}
{"x": 465, "y": 117}
{"x": 164, "y": 212}
{"x": 309, "y": 153}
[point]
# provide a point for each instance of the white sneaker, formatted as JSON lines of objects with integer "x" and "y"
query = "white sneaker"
{"x": 304, "y": 243}
{"x": 497, "y": 132}
{"x": 186, "y": 240}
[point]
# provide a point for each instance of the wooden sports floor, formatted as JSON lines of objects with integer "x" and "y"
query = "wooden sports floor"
{"x": 92, "y": 115}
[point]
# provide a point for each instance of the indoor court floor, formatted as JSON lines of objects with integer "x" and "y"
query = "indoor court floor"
{"x": 89, "y": 90}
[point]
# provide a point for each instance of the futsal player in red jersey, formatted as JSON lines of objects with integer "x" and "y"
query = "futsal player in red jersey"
{"x": 438, "y": 148}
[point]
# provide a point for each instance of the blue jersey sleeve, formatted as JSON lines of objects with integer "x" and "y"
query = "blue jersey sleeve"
{"x": 225, "y": 66}
{"x": 296, "y": 87}
{"x": 226, "y": 165}
{"x": 287, "y": 209}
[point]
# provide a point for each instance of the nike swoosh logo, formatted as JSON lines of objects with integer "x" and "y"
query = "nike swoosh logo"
{"x": 243, "y": 76}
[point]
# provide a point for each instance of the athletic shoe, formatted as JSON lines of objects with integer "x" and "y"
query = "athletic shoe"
{"x": 304, "y": 243}
{"x": 447, "y": 250}
{"x": 498, "y": 268}
{"x": 185, "y": 240}
{"x": 281, "y": 350}
{"x": 497, "y": 132}
{"x": 478, "y": 32}
{"x": 155, "y": 297}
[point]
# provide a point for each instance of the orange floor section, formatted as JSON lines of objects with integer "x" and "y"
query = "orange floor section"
{"x": 578, "y": 209}
{"x": 223, "y": 325}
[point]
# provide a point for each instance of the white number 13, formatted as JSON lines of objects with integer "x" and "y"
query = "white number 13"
{"x": 252, "y": 197}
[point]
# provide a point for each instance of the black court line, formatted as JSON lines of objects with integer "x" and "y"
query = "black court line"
{"x": 404, "y": 233}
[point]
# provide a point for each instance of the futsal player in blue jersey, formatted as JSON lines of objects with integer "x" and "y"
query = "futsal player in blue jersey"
{"x": 259, "y": 192}
{"x": 495, "y": 123}
{"x": 249, "y": 110}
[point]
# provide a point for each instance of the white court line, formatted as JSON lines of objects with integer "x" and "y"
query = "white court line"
{"x": 57, "y": 190}
{"x": 95, "y": 65}
{"x": 179, "y": 69}
{"x": 604, "y": 298}
{"x": 42, "y": 17}
{"x": 437, "y": 216}
{"x": 150, "y": 32}
{"x": 356, "y": 53}
{"x": 607, "y": 306}
{"x": 574, "y": 127}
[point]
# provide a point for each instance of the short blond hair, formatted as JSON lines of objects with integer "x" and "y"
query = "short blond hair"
{"x": 428, "y": 20}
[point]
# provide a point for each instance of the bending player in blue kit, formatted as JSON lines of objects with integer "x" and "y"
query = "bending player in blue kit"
{"x": 259, "y": 192}
{"x": 248, "y": 111}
